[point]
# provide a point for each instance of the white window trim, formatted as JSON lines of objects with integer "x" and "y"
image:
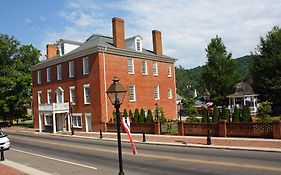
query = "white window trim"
{"x": 39, "y": 77}
{"x": 48, "y": 97}
{"x": 70, "y": 96}
{"x": 138, "y": 40}
{"x": 39, "y": 97}
{"x": 145, "y": 66}
{"x": 84, "y": 65}
{"x": 155, "y": 67}
{"x": 169, "y": 71}
{"x": 170, "y": 94}
{"x": 59, "y": 72}
{"x": 133, "y": 66}
{"x": 134, "y": 93}
{"x": 70, "y": 67}
{"x": 49, "y": 74}
{"x": 86, "y": 86}
{"x": 158, "y": 93}
{"x": 76, "y": 115}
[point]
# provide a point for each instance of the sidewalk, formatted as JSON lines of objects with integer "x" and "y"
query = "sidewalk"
{"x": 253, "y": 144}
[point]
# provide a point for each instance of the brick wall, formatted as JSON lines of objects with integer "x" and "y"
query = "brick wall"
{"x": 225, "y": 129}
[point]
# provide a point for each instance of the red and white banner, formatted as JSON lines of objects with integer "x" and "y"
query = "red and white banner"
{"x": 126, "y": 125}
{"x": 209, "y": 104}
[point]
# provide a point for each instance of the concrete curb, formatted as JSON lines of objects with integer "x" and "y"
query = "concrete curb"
{"x": 24, "y": 168}
{"x": 183, "y": 144}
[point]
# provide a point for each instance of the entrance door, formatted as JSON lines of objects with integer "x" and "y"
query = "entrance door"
{"x": 88, "y": 122}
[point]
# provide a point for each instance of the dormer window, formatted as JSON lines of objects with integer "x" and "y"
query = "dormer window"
{"x": 138, "y": 44}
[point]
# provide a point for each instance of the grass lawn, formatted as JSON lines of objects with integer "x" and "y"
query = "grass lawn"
{"x": 169, "y": 127}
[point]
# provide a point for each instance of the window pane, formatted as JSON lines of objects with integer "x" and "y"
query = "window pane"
{"x": 144, "y": 67}
{"x": 71, "y": 69}
{"x": 59, "y": 75}
{"x": 39, "y": 77}
{"x": 169, "y": 71}
{"x": 156, "y": 93}
{"x": 87, "y": 94}
{"x": 132, "y": 93}
{"x": 155, "y": 68}
{"x": 85, "y": 65}
{"x": 49, "y": 75}
{"x": 130, "y": 66}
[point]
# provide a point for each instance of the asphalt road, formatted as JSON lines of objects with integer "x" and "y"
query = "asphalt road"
{"x": 78, "y": 156}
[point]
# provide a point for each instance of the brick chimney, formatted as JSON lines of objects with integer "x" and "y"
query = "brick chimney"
{"x": 157, "y": 42}
{"x": 118, "y": 32}
{"x": 51, "y": 50}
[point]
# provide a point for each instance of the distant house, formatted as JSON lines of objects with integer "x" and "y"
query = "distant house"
{"x": 243, "y": 95}
{"x": 75, "y": 77}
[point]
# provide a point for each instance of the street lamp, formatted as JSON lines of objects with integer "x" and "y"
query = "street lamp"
{"x": 116, "y": 93}
{"x": 206, "y": 96}
{"x": 71, "y": 119}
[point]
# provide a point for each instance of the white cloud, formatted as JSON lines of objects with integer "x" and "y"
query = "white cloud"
{"x": 187, "y": 26}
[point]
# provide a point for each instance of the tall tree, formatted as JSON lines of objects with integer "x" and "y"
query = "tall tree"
{"x": 220, "y": 73}
{"x": 265, "y": 68}
{"x": 15, "y": 76}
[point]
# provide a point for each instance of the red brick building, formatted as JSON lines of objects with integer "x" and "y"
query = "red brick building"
{"x": 82, "y": 75}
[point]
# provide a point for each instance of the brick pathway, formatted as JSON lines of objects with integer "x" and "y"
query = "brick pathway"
{"x": 5, "y": 170}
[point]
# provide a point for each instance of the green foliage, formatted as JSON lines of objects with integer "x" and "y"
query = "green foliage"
{"x": 131, "y": 115}
{"x": 246, "y": 114}
{"x": 189, "y": 107}
{"x": 149, "y": 116}
{"x": 236, "y": 115}
{"x": 192, "y": 119}
{"x": 264, "y": 110}
{"x": 15, "y": 76}
{"x": 220, "y": 73}
{"x": 136, "y": 115}
{"x": 215, "y": 115}
{"x": 265, "y": 68}
{"x": 224, "y": 115}
{"x": 181, "y": 79}
{"x": 142, "y": 116}
{"x": 125, "y": 114}
{"x": 204, "y": 117}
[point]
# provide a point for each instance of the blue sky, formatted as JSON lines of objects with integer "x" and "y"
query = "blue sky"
{"x": 187, "y": 26}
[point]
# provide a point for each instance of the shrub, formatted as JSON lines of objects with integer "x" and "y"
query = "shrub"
{"x": 142, "y": 116}
{"x": 136, "y": 115}
{"x": 215, "y": 115}
{"x": 236, "y": 117}
{"x": 264, "y": 110}
{"x": 125, "y": 114}
{"x": 131, "y": 115}
{"x": 204, "y": 117}
{"x": 149, "y": 118}
{"x": 246, "y": 114}
{"x": 224, "y": 114}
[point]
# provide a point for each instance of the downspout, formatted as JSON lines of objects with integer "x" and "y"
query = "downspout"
{"x": 105, "y": 88}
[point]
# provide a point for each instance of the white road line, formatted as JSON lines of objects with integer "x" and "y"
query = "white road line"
{"x": 51, "y": 158}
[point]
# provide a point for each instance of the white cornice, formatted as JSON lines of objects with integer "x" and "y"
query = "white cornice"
{"x": 100, "y": 48}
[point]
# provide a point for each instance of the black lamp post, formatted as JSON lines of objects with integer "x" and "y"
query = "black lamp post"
{"x": 206, "y": 96}
{"x": 71, "y": 119}
{"x": 116, "y": 93}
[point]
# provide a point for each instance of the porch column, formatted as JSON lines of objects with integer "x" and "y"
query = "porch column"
{"x": 68, "y": 121}
{"x": 40, "y": 122}
{"x": 244, "y": 101}
{"x": 54, "y": 123}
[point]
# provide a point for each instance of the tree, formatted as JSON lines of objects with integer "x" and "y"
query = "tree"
{"x": 236, "y": 115}
{"x": 246, "y": 114}
{"x": 136, "y": 115}
{"x": 149, "y": 116}
{"x": 215, "y": 115}
{"x": 265, "y": 68}
{"x": 264, "y": 110}
{"x": 220, "y": 73}
{"x": 204, "y": 117}
{"x": 142, "y": 116}
{"x": 15, "y": 76}
{"x": 189, "y": 107}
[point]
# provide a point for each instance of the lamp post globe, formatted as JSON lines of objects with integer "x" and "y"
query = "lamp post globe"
{"x": 116, "y": 93}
